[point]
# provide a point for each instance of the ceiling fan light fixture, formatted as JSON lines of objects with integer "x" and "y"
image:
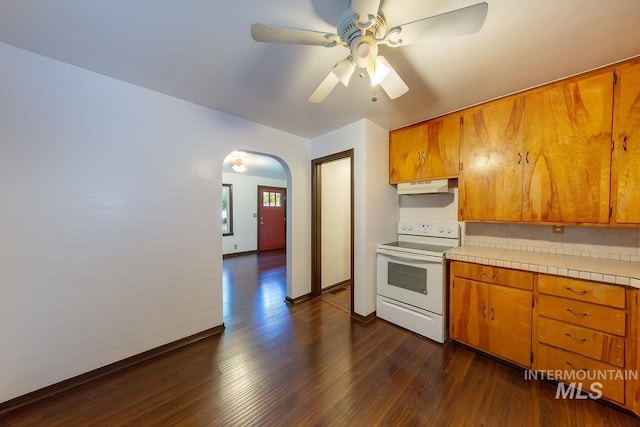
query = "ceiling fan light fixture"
{"x": 238, "y": 166}
{"x": 378, "y": 71}
{"x": 364, "y": 50}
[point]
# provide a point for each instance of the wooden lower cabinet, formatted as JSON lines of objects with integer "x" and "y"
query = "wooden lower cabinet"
{"x": 578, "y": 331}
{"x": 585, "y": 334}
{"x": 594, "y": 377}
{"x": 492, "y": 318}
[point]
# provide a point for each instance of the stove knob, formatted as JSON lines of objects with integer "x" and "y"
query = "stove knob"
{"x": 449, "y": 230}
{"x": 410, "y": 228}
{"x": 404, "y": 228}
{"x": 441, "y": 230}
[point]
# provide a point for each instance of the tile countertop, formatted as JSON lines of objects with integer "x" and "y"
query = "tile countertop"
{"x": 601, "y": 270}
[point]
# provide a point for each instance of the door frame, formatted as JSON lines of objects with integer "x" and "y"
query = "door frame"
{"x": 316, "y": 221}
{"x": 258, "y": 203}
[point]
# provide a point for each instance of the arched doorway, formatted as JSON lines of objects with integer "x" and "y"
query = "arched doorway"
{"x": 253, "y": 281}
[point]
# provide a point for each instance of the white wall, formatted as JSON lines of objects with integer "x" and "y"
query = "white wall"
{"x": 245, "y": 204}
{"x": 376, "y": 202}
{"x": 109, "y": 238}
{"x": 336, "y": 222}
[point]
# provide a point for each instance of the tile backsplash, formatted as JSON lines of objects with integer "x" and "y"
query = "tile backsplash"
{"x": 597, "y": 242}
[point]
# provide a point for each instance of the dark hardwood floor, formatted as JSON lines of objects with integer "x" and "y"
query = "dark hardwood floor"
{"x": 311, "y": 364}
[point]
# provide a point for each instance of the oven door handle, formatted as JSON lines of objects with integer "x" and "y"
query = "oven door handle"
{"x": 408, "y": 256}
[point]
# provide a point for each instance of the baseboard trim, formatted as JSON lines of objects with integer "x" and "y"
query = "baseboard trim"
{"x": 364, "y": 319}
{"x": 43, "y": 393}
{"x": 298, "y": 300}
{"x": 336, "y": 285}
{"x": 234, "y": 254}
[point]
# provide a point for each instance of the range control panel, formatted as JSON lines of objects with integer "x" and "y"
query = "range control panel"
{"x": 433, "y": 229}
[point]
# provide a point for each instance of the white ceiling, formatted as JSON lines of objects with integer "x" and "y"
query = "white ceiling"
{"x": 202, "y": 51}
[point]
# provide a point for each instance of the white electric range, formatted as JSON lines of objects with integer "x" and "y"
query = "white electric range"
{"x": 411, "y": 277}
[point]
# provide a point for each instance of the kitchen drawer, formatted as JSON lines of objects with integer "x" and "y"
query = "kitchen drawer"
{"x": 582, "y": 290}
{"x": 497, "y": 275}
{"x": 573, "y": 368}
{"x": 605, "y": 319}
{"x": 607, "y": 348}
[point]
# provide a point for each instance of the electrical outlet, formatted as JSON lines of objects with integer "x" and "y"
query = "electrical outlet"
{"x": 557, "y": 229}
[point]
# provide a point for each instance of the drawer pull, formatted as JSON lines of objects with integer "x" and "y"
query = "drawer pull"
{"x": 578, "y": 340}
{"x": 581, "y": 293}
{"x": 574, "y": 367}
{"x": 493, "y": 314}
{"x": 493, "y": 276}
{"x": 580, "y": 315}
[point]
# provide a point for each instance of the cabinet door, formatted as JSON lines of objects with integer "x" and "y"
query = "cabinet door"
{"x": 469, "y": 305}
{"x": 628, "y": 146}
{"x": 442, "y": 158}
{"x": 510, "y": 324}
{"x": 492, "y": 142}
{"x": 568, "y": 151}
{"x": 406, "y": 150}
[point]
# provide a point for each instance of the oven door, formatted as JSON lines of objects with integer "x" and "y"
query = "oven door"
{"x": 417, "y": 280}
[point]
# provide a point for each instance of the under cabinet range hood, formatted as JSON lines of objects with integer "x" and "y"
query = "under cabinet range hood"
{"x": 426, "y": 187}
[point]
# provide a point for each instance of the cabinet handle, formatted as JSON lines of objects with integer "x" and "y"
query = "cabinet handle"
{"x": 574, "y": 367}
{"x": 578, "y": 340}
{"x": 581, "y": 293}
{"x": 493, "y": 314}
{"x": 624, "y": 144}
{"x": 519, "y": 158}
{"x": 424, "y": 155}
{"x": 493, "y": 276}
{"x": 581, "y": 315}
{"x": 419, "y": 156}
{"x": 526, "y": 157}
{"x": 484, "y": 309}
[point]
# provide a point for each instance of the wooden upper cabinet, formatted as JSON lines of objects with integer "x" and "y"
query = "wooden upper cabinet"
{"x": 567, "y": 157}
{"x": 428, "y": 150}
{"x": 492, "y": 157}
{"x": 442, "y": 158}
{"x": 627, "y": 146}
{"x": 406, "y": 147}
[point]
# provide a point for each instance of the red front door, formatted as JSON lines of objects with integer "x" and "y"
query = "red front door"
{"x": 271, "y": 218}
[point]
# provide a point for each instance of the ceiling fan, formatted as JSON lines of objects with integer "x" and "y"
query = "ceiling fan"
{"x": 361, "y": 29}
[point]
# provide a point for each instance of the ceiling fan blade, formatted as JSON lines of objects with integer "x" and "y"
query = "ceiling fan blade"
{"x": 467, "y": 20}
{"x": 279, "y": 34}
{"x": 365, "y": 9}
{"x": 341, "y": 72}
{"x": 393, "y": 85}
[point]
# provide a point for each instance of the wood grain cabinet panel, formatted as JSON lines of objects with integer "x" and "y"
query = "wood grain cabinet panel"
{"x": 492, "y": 158}
{"x": 582, "y": 290}
{"x": 425, "y": 151}
{"x": 553, "y": 359}
{"x": 627, "y": 147}
{"x": 497, "y": 275}
{"x": 406, "y": 147}
{"x": 510, "y": 324}
{"x": 567, "y": 142}
{"x": 594, "y": 316}
{"x": 607, "y": 348}
{"x": 469, "y": 301}
{"x": 492, "y": 318}
{"x": 442, "y": 158}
